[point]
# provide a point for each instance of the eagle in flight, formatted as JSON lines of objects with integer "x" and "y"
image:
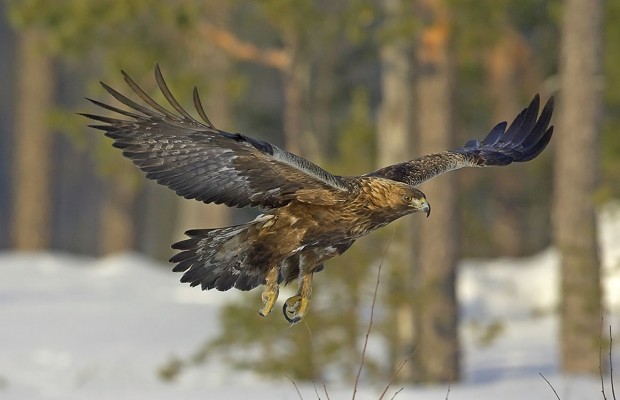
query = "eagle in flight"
{"x": 309, "y": 215}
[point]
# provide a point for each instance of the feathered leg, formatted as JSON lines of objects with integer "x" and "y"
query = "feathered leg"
{"x": 296, "y": 307}
{"x": 308, "y": 262}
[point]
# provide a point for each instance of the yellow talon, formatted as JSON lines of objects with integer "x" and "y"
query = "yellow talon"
{"x": 296, "y": 307}
{"x": 269, "y": 298}
{"x": 270, "y": 293}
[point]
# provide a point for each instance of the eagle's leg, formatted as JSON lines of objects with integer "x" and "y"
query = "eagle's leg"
{"x": 270, "y": 293}
{"x": 296, "y": 307}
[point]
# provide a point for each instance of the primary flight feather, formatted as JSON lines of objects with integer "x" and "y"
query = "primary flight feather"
{"x": 309, "y": 215}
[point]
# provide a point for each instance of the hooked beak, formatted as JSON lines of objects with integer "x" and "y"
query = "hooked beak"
{"x": 426, "y": 208}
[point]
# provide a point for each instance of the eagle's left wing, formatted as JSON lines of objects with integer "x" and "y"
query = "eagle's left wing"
{"x": 525, "y": 139}
{"x": 199, "y": 161}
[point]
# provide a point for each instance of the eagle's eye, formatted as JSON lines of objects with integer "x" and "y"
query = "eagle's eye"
{"x": 407, "y": 199}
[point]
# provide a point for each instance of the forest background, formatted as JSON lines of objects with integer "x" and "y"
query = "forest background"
{"x": 352, "y": 86}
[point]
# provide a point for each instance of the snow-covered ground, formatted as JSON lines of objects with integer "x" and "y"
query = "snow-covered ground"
{"x": 81, "y": 328}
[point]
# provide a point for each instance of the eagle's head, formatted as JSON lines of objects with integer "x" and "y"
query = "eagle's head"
{"x": 394, "y": 199}
{"x": 416, "y": 201}
{"x": 405, "y": 199}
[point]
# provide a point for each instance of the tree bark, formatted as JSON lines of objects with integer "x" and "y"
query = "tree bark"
{"x": 393, "y": 146}
{"x": 298, "y": 138}
{"x": 118, "y": 232}
{"x": 503, "y": 66}
{"x": 576, "y": 174}
{"x": 436, "y": 311}
{"x": 32, "y": 199}
{"x": 293, "y": 122}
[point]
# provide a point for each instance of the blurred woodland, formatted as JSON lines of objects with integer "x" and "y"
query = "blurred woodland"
{"x": 351, "y": 85}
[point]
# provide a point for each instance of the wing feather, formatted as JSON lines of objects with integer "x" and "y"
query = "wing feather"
{"x": 128, "y": 102}
{"x": 200, "y": 162}
{"x": 200, "y": 109}
{"x": 525, "y": 138}
{"x": 146, "y": 98}
{"x": 521, "y": 125}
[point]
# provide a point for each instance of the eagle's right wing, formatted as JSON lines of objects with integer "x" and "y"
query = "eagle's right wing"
{"x": 199, "y": 161}
{"x": 525, "y": 139}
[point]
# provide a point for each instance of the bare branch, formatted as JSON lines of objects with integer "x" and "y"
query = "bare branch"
{"x": 315, "y": 364}
{"x": 600, "y": 358}
{"x": 550, "y": 385}
{"x": 316, "y": 391}
{"x": 611, "y": 365}
{"x": 396, "y": 372}
{"x": 396, "y": 394}
{"x": 372, "y": 314}
{"x": 296, "y": 387}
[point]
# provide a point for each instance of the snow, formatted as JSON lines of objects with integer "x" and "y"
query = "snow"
{"x": 83, "y": 328}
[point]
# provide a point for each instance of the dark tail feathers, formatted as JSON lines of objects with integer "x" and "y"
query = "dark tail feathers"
{"x": 215, "y": 258}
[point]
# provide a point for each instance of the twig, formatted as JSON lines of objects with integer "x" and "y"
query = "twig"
{"x": 315, "y": 364}
{"x": 611, "y": 365}
{"x": 448, "y": 392}
{"x": 396, "y": 372}
{"x": 316, "y": 391}
{"x": 396, "y": 394}
{"x": 295, "y": 385}
{"x": 600, "y": 358}
{"x": 550, "y": 385}
{"x": 372, "y": 314}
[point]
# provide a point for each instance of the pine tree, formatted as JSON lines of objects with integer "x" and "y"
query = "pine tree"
{"x": 32, "y": 186}
{"x": 436, "y": 311}
{"x": 576, "y": 175}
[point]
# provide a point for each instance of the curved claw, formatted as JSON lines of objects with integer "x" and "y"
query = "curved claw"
{"x": 295, "y": 308}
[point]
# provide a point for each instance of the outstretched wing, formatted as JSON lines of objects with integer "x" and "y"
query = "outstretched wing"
{"x": 199, "y": 161}
{"x": 525, "y": 139}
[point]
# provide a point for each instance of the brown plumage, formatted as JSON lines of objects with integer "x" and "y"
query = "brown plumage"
{"x": 309, "y": 215}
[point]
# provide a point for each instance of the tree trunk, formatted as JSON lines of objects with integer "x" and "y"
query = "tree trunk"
{"x": 117, "y": 214}
{"x": 436, "y": 310}
{"x": 393, "y": 146}
{"x": 32, "y": 202}
{"x": 506, "y": 233}
{"x": 576, "y": 171}
{"x": 294, "y": 80}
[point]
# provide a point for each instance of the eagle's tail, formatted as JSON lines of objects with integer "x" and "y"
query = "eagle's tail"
{"x": 215, "y": 258}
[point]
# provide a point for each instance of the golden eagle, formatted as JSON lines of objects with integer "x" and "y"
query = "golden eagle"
{"x": 309, "y": 215}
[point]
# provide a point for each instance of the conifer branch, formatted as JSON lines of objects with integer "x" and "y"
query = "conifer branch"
{"x": 243, "y": 50}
